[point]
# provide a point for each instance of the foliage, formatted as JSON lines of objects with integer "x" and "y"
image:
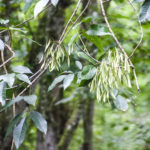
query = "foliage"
{"x": 89, "y": 58}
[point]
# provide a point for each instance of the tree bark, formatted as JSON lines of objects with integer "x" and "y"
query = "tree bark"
{"x": 89, "y": 104}
{"x": 71, "y": 127}
{"x": 88, "y": 125}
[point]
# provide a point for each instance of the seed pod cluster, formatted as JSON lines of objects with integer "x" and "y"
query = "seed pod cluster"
{"x": 53, "y": 55}
{"x": 113, "y": 71}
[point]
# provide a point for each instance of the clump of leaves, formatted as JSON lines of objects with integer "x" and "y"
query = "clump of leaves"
{"x": 113, "y": 70}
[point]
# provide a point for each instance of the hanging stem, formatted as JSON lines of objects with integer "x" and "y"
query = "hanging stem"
{"x": 119, "y": 44}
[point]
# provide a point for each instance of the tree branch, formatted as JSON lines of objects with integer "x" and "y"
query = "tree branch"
{"x": 119, "y": 44}
{"x": 141, "y": 29}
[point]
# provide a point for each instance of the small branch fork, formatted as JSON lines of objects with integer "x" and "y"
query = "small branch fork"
{"x": 119, "y": 44}
{"x": 5, "y": 62}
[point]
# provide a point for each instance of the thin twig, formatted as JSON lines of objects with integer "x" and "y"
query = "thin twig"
{"x": 70, "y": 20}
{"x": 76, "y": 20}
{"x": 36, "y": 78}
{"x": 13, "y": 54}
{"x": 119, "y": 44}
{"x": 12, "y": 145}
{"x": 3, "y": 61}
{"x": 141, "y": 29}
{"x": 88, "y": 54}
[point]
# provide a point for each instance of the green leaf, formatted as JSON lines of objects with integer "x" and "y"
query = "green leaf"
{"x": 21, "y": 69}
{"x": 39, "y": 121}
{"x": 27, "y": 5}
{"x": 97, "y": 30}
{"x": 65, "y": 100}
{"x": 95, "y": 40}
{"x": 11, "y": 102}
{"x": 87, "y": 19}
{"x": 84, "y": 56}
{"x": 145, "y": 11}
{"x": 56, "y": 81}
{"x": 2, "y": 21}
{"x": 39, "y": 7}
{"x": 30, "y": 99}
{"x": 78, "y": 64}
{"x": 19, "y": 133}
{"x": 17, "y": 29}
{"x": 12, "y": 123}
{"x": 24, "y": 78}
{"x": 3, "y": 93}
{"x": 8, "y": 78}
{"x": 68, "y": 80}
{"x": 88, "y": 72}
{"x": 2, "y": 45}
{"x": 54, "y": 2}
{"x": 121, "y": 103}
{"x": 73, "y": 39}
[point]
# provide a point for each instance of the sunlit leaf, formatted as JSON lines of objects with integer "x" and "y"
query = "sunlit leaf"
{"x": 2, "y": 21}
{"x": 2, "y": 45}
{"x": 21, "y": 69}
{"x": 68, "y": 80}
{"x": 39, "y": 121}
{"x": 8, "y": 78}
{"x": 54, "y": 2}
{"x": 78, "y": 64}
{"x": 24, "y": 78}
{"x": 3, "y": 93}
{"x": 145, "y": 11}
{"x": 56, "y": 81}
{"x": 121, "y": 103}
{"x": 30, "y": 99}
{"x": 39, "y": 7}
{"x": 19, "y": 133}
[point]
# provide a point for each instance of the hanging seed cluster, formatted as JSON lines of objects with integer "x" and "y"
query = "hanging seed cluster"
{"x": 53, "y": 55}
{"x": 113, "y": 70}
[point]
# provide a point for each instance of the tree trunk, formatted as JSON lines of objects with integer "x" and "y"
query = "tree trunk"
{"x": 51, "y": 27}
{"x": 88, "y": 125}
{"x": 71, "y": 126}
{"x": 89, "y": 105}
